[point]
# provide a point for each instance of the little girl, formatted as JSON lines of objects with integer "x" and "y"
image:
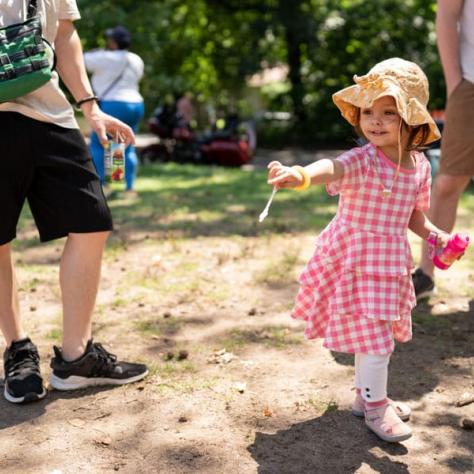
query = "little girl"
{"x": 356, "y": 291}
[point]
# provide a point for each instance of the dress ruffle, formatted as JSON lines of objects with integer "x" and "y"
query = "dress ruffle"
{"x": 361, "y": 274}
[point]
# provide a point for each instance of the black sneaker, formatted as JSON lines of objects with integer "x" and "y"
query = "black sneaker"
{"x": 95, "y": 367}
{"x": 423, "y": 283}
{"x": 23, "y": 382}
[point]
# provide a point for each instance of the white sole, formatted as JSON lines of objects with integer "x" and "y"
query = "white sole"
{"x": 74, "y": 382}
{"x": 29, "y": 397}
{"x": 426, "y": 294}
{"x": 391, "y": 439}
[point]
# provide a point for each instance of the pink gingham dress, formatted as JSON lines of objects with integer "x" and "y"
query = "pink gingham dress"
{"x": 356, "y": 291}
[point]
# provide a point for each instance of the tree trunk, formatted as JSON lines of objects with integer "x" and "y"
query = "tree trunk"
{"x": 294, "y": 25}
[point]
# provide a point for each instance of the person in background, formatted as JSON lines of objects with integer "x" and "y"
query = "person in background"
{"x": 455, "y": 29}
{"x": 45, "y": 160}
{"x": 116, "y": 74}
{"x": 184, "y": 110}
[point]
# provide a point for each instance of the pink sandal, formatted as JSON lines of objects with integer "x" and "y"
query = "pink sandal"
{"x": 401, "y": 409}
{"x": 386, "y": 424}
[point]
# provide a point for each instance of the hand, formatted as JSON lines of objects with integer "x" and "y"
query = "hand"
{"x": 104, "y": 124}
{"x": 283, "y": 176}
{"x": 442, "y": 240}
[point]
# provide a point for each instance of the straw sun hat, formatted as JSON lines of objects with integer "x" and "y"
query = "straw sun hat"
{"x": 395, "y": 77}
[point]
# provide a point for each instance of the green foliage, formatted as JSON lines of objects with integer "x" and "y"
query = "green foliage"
{"x": 210, "y": 47}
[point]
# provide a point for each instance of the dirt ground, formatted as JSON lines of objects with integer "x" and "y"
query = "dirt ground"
{"x": 233, "y": 385}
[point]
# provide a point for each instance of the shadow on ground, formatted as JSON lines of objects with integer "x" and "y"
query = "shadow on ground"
{"x": 14, "y": 414}
{"x": 320, "y": 446}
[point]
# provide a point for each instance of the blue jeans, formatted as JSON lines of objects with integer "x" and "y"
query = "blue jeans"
{"x": 131, "y": 113}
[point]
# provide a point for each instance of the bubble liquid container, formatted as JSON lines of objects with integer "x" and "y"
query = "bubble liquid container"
{"x": 455, "y": 249}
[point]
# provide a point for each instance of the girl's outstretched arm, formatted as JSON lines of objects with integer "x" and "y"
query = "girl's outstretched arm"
{"x": 321, "y": 172}
{"x": 422, "y": 226}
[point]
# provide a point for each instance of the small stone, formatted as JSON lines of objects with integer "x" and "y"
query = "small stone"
{"x": 467, "y": 423}
{"x": 240, "y": 386}
{"x": 182, "y": 355}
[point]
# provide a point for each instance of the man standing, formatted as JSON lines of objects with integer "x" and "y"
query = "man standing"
{"x": 46, "y": 161}
{"x": 455, "y": 30}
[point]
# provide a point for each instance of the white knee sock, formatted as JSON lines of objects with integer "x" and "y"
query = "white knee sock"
{"x": 357, "y": 381}
{"x": 371, "y": 376}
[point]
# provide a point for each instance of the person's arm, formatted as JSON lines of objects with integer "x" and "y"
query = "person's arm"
{"x": 422, "y": 227}
{"x": 70, "y": 66}
{"x": 447, "y": 29}
{"x": 321, "y": 172}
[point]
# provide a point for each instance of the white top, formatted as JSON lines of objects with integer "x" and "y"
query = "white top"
{"x": 48, "y": 103}
{"x": 467, "y": 40}
{"x": 107, "y": 66}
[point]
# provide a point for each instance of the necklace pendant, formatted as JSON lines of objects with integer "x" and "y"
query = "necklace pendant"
{"x": 386, "y": 193}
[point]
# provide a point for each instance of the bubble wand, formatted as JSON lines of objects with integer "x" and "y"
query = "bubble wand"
{"x": 264, "y": 213}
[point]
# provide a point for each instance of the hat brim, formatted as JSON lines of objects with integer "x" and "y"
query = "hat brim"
{"x": 355, "y": 97}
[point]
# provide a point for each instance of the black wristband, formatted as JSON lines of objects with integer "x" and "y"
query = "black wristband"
{"x": 89, "y": 98}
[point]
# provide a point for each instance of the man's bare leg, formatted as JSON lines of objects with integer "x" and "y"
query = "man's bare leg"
{"x": 10, "y": 322}
{"x": 80, "y": 365}
{"x": 79, "y": 278}
{"x": 23, "y": 381}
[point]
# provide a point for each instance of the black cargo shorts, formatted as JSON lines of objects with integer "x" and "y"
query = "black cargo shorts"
{"x": 51, "y": 167}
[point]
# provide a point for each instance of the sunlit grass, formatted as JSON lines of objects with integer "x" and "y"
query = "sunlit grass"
{"x": 190, "y": 200}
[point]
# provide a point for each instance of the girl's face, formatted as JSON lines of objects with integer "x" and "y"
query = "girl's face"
{"x": 380, "y": 123}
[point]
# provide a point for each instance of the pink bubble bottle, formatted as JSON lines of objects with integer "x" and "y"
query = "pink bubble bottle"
{"x": 444, "y": 258}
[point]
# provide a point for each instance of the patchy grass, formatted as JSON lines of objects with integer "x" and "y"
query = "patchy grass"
{"x": 178, "y": 376}
{"x": 159, "y": 326}
{"x": 278, "y": 337}
{"x": 430, "y": 321}
{"x": 54, "y": 335}
{"x": 279, "y": 271}
{"x": 321, "y": 406}
{"x": 170, "y": 369}
{"x": 188, "y": 385}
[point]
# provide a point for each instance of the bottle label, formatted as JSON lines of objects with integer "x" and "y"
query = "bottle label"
{"x": 448, "y": 256}
{"x": 114, "y": 161}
